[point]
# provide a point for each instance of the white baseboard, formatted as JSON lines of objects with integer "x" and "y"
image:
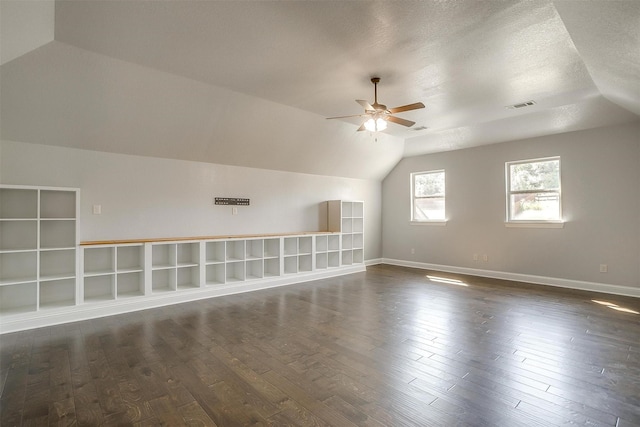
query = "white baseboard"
{"x": 528, "y": 278}
{"x": 50, "y": 317}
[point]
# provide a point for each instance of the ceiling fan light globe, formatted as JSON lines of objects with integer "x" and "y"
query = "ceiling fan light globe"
{"x": 375, "y": 125}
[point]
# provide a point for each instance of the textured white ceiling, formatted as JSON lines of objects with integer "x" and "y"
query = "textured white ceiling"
{"x": 250, "y": 82}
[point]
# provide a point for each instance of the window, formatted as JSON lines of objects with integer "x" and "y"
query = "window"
{"x": 427, "y": 201}
{"x": 533, "y": 191}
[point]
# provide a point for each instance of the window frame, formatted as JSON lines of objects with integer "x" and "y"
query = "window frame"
{"x": 533, "y": 223}
{"x": 439, "y": 221}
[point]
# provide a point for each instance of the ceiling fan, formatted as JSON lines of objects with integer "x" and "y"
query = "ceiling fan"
{"x": 378, "y": 114}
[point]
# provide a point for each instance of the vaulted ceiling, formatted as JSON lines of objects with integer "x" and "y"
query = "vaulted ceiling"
{"x": 251, "y": 83}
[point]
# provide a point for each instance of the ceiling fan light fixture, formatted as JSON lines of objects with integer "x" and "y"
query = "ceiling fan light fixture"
{"x": 375, "y": 125}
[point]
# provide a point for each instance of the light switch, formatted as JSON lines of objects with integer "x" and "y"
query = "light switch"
{"x": 97, "y": 209}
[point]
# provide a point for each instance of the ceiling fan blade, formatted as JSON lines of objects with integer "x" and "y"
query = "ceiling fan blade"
{"x": 361, "y": 128}
{"x": 365, "y": 104}
{"x": 408, "y": 107}
{"x": 347, "y": 117}
{"x": 398, "y": 120}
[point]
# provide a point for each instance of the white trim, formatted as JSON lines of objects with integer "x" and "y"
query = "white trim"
{"x": 374, "y": 261}
{"x": 429, "y": 222}
{"x": 528, "y": 278}
{"x": 21, "y": 322}
{"x": 533, "y": 224}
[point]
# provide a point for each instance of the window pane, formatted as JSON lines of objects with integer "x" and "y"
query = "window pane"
{"x": 428, "y": 209}
{"x": 535, "y": 176}
{"x": 429, "y": 184}
{"x": 535, "y": 206}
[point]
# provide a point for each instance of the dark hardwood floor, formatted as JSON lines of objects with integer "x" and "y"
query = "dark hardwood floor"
{"x": 382, "y": 348}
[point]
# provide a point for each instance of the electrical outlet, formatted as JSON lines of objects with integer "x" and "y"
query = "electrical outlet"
{"x": 604, "y": 268}
{"x": 475, "y": 257}
{"x": 234, "y": 211}
{"x": 413, "y": 251}
{"x": 485, "y": 257}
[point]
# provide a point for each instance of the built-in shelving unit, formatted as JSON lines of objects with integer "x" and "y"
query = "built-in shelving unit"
{"x": 38, "y": 241}
{"x": 347, "y": 218}
{"x": 42, "y": 268}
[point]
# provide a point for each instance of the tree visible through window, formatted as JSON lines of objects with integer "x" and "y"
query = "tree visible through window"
{"x": 533, "y": 190}
{"x": 428, "y": 196}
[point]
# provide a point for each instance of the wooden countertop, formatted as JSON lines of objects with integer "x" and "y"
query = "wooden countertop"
{"x": 179, "y": 239}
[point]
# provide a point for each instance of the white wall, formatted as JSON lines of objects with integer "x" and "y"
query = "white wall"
{"x": 144, "y": 197}
{"x": 600, "y": 172}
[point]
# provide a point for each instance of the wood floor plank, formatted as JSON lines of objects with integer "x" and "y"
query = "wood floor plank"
{"x": 386, "y": 347}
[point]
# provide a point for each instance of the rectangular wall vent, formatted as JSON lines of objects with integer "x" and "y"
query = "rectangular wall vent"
{"x": 521, "y": 105}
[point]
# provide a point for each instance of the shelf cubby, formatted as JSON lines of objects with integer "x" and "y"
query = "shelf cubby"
{"x": 305, "y": 245}
{"x": 271, "y": 248}
{"x": 290, "y": 264}
{"x": 130, "y": 284}
{"x": 235, "y": 250}
{"x": 57, "y": 204}
{"x": 321, "y": 244}
{"x": 57, "y": 264}
{"x": 358, "y": 256}
{"x": 321, "y": 260}
{"x": 333, "y": 242}
{"x": 357, "y": 241}
{"x": 130, "y": 258}
{"x": 347, "y": 209}
{"x": 272, "y": 267}
{"x": 16, "y": 267}
{"x": 163, "y": 280}
{"x": 347, "y": 241}
{"x": 347, "y": 225}
{"x": 235, "y": 272}
{"x": 215, "y": 252}
{"x": 98, "y": 261}
{"x": 188, "y": 254}
{"x": 99, "y": 288}
{"x": 57, "y": 234}
{"x": 255, "y": 249}
{"x": 188, "y": 277}
{"x": 357, "y": 209}
{"x": 358, "y": 225}
{"x": 163, "y": 255}
{"x": 215, "y": 274}
{"x": 254, "y": 269}
{"x": 18, "y": 203}
{"x": 18, "y": 235}
{"x": 305, "y": 263}
{"x": 333, "y": 259}
{"x": 58, "y": 293}
{"x": 18, "y": 299}
{"x": 347, "y": 257}
{"x": 290, "y": 246}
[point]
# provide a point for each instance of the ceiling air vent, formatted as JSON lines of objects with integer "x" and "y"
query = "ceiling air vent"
{"x": 520, "y": 105}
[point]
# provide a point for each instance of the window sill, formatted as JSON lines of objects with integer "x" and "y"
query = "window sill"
{"x": 432, "y": 222}
{"x": 534, "y": 224}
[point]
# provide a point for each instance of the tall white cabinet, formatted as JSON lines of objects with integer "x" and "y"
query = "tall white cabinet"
{"x": 38, "y": 248}
{"x": 347, "y": 218}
